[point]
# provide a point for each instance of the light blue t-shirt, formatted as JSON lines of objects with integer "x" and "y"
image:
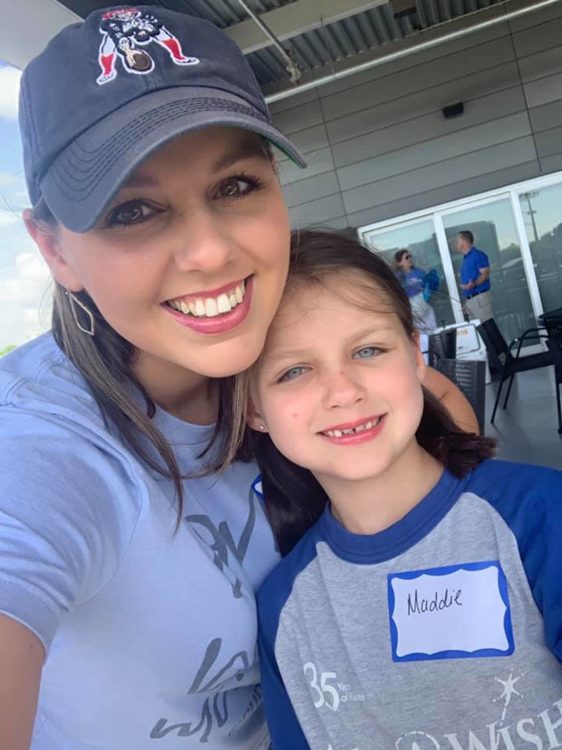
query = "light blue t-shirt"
{"x": 150, "y": 634}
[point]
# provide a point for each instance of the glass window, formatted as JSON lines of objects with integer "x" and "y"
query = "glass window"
{"x": 23, "y": 274}
{"x": 419, "y": 238}
{"x": 542, "y": 215}
{"x": 495, "y": 233}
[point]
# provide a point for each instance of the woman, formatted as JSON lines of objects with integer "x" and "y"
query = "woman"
{"x": 127, "y": 591}
{"x": 415, "y": 284}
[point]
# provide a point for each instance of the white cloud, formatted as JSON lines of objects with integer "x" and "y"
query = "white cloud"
{"x": 9, "y": 92}
{"x": 8, "y": 217}
{"x": 24, "y": 296}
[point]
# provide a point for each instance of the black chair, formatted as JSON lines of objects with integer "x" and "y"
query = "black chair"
{"x": 470, "y": 376}
{"x": 442, "y": 345}
{"x": 552, "y": 322}
{"x": 500, "y": 354}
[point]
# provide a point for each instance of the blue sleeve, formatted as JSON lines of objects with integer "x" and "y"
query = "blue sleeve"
{"x": 284, "y": 727}
{"x": 482, "y": 261}
{"x": 529, "y": 499}
{"x": 67, "y": 511}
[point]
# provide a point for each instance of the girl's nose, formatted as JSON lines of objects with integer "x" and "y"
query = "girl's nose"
{"x": 343, "y": 389}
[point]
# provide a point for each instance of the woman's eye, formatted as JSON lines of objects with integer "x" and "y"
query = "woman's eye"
{"x": 292, "y": 374}
{"x": 127, "y": 214}
{"x": 236, "y": 187}
{"x": 366, "y": 352}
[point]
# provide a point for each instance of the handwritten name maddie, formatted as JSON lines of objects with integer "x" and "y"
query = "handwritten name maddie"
{"x": 418, "y": 605}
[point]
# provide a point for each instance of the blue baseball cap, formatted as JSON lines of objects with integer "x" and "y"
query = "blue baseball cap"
{"x": 107, "y": 92}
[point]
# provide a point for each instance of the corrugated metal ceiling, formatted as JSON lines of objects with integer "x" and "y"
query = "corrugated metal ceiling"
{"x": 322, "y": 47}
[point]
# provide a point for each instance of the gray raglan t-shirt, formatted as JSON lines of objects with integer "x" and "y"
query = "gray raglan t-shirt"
{"x": 443, "y": 632}
{"x": 150, "y": 634}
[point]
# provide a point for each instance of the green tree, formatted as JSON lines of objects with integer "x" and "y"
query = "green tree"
{"x": 7, "y": 349}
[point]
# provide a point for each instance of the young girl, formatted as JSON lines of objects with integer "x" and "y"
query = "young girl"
{"x": 421, "y": 609}
{"x": 414, "y": 281}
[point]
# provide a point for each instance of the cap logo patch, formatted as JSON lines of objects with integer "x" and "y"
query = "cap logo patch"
{"x": 125, "y": 32}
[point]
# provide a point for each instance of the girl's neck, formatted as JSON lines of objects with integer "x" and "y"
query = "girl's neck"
{"x": 372, "y": 505}
{"x": 186, "y": 395}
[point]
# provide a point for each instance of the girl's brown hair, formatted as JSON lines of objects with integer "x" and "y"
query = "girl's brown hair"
{"x": 294, "y": 499}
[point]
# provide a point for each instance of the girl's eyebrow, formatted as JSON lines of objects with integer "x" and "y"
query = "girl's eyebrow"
{"x": 246, "y": 149}
{"x": 303, "y": 351}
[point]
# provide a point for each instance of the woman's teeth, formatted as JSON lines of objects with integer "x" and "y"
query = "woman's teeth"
{"x": 210, "y": 307}
{"x": 353, "y": 430}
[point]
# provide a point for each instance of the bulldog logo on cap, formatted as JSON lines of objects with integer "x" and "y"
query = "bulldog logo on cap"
{"x": 124, "y": 31}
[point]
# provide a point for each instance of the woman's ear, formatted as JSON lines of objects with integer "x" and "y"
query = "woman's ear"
{"x": 47, "y": 239}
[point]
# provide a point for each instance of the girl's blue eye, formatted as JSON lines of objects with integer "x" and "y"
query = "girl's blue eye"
{"x": 292, "y": 374}
{"x": 366, "y": 352}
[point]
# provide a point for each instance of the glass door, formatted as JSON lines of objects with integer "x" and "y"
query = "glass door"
{"x": 420, "y": 239}
{"x": 542, "y": 218}
{"x": 494, "y": 228}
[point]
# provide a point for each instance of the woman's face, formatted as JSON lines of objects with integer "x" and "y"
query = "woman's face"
{"x": 406, "y": 262}
{"x": 189, "y": 261}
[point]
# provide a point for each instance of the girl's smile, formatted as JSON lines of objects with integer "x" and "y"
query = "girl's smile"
{"x": 339, "y": 384}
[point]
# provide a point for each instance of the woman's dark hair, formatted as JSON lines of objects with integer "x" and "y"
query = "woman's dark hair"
{"x": 106, "y": 362}
{"x": 398, "y": 255}
{"x": 294, "y": 499}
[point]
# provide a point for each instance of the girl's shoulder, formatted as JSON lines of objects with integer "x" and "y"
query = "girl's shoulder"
{"x": 518, "y": 491}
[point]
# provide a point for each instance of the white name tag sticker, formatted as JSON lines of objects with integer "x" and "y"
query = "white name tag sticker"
{"x": 456, "y": 612}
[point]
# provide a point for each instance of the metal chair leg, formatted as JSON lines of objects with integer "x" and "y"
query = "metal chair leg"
{"x": 508, "y": 391}
{"x": 559, "y": 410}
{"x": 498, "y": 394}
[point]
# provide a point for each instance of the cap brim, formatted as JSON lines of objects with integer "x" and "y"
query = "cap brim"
{"x": 84, "y": 178}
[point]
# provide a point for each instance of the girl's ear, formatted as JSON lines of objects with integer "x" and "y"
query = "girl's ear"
{"x": 421, "y": 366}
{"x": 253, "y": 418}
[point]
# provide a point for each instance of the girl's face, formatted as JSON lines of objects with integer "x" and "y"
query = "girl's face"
{"x": 339, "y": 386}
{"x": 189, "y": 262}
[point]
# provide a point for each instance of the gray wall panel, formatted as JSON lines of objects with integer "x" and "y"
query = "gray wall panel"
{"x": 455, "y": 191}
{"x": 546, "y": 116}
{"x": 428, "y": 127}
{"x": 317, "y": 212}
{"x": 401, "y": 84}
{"x": 444, "y": 173}
{"x": 465, "y": 88}
{"x": 379, "y": 146}
{"x": 297, "y": 193}
{"x": 438, "y": 150}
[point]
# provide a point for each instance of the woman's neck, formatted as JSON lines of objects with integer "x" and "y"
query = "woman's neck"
{"x": 186, "y": 395}
{"x": 372, "y": 505}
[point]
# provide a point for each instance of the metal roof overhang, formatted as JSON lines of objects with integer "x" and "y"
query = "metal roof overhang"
{"x": 323, "y": 39}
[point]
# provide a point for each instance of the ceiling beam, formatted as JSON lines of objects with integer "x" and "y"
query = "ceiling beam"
{"x": 296, "y": 18}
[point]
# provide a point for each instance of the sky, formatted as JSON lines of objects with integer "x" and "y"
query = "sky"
{"x": 24, "y": 280}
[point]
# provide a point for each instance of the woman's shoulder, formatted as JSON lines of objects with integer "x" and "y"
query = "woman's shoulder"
{"x": 38, "y": 378}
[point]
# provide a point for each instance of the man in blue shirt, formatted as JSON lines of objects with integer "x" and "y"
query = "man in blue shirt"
{"x": 475, "y": 278}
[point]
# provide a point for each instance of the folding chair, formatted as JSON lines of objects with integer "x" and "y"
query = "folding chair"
{"x": 470, "y": 376}
{"x": 501, "y": 353}
{"x": 442, "y": 345}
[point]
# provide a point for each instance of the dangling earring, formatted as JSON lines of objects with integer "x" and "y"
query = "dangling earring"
{"x": 75, "y": 301}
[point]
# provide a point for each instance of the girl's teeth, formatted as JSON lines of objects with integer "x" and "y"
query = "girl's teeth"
{"x": 192, "y": 308}
{"x": 199, "y": 307}
{"x": 239, "y": 293}
{"x": 353, "y": 430}
{"x": 211, "y": 308}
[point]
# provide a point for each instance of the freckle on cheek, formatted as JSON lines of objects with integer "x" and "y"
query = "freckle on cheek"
{"x": 294, "y": 415}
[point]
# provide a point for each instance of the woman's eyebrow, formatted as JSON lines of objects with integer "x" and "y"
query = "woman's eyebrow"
{"x": 246, "y": 149}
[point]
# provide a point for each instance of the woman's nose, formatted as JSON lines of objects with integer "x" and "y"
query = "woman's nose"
{"x": 203, "y": 244}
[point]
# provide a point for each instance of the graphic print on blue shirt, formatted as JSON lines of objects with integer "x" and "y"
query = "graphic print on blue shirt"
{"x": 454, "y": 612}
{"x": 328, "y": 676}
